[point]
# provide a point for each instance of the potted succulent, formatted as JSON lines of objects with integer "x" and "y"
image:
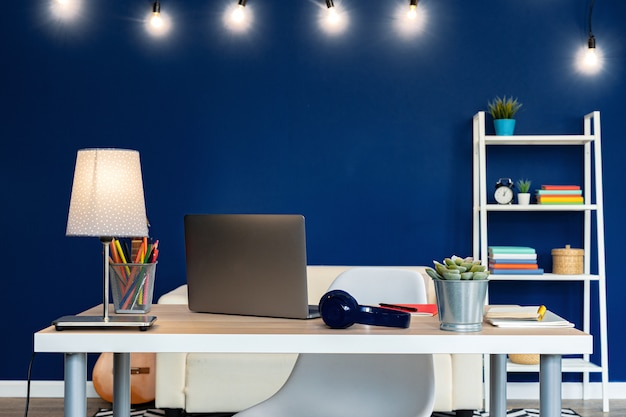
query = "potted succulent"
{"x": 523, "y": 191}
{"x": 461, "y": 288}
{"x": 503, "y": 111}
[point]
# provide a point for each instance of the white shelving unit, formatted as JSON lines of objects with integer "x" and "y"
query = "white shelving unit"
{"x": 592, "y": 189}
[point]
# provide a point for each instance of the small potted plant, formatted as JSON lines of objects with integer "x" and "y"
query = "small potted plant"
{"x": 503, "y": 111}
{"x": 461, "y": 288}
{"x": 523, "y": 191}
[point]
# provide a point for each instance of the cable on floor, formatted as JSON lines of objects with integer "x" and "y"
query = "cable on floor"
{"x": 30, "y": 368}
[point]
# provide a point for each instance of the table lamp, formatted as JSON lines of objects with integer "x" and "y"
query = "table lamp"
{"x": 107, "y": 201}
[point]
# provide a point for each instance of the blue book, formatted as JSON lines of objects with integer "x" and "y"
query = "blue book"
{"x": 514, "y": 256}
{"x": 559, "y": 192}
{"x": 530, "y": 260}
{"x": 510, "y": 249}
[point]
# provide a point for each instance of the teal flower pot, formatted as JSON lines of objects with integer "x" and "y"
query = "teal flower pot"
{"x": 504, "y": 127}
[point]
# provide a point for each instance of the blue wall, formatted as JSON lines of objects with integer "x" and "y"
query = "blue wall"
{"x": 367, "y": 134}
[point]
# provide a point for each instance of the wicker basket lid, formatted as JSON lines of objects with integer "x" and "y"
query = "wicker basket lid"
{"x": 568, "y": 251}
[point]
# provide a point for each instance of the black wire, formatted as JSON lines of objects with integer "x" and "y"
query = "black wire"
{"x": 590, "y": 16}
{"x": 30, "y": 368}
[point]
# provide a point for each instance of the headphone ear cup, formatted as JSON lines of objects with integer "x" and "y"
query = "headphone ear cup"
{"x": 338, "y": 309}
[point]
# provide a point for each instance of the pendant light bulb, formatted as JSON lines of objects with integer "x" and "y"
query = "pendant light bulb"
{"x": 332, "y": 12}
{"x": 412, "y": 13}
{"x": 591, "y": 58}
{"x": 238, "y": 14}
{"x": 156, "y": 20}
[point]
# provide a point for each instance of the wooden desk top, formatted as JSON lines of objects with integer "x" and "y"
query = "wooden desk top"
{"x": 179, "y": 330}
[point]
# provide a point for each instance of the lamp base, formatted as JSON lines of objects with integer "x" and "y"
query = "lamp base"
{"x": 143, "y": 322}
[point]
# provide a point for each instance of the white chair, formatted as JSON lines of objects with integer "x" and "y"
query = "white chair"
{"x": 364, "y": 385}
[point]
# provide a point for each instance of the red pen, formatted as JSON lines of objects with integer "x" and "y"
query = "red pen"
{"x": 399, "y": 307}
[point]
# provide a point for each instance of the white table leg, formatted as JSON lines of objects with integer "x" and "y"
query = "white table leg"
{"x": 75, "y": 403}
{"x": 550, "y": 385}
{"x": 497, "y": 385}
{"x": 121, "y": 384}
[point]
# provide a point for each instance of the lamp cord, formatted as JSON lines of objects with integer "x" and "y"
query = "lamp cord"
{"x": 590, "y": 16}
{"x": 30, "y": 368}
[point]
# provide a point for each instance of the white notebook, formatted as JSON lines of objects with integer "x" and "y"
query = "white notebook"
{"x": 550, "y": 319}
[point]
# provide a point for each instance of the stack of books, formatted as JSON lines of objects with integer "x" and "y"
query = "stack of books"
{"x": 560, "y": 194}
{"x": 513, "y": 260}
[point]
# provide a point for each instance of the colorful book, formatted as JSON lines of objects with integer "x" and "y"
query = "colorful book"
{"x": 512, "y": 266}
{"x": 510, "y": 260}
{"x": 560, "y": 187}
{"x": 560, "y": 198}
{"x": 559, "y": 192}
{"x": 538, "y": 271}
{"x": 510, "y": 249}
{"x": 516, "y": 256}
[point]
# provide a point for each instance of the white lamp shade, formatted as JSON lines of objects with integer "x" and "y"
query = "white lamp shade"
{"x": 107, "y": 195}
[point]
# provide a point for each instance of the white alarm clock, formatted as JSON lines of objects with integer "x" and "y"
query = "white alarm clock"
{"x": 504, "y": 191}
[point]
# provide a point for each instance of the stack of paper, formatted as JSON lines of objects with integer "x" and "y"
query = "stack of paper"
{"x": 524, "y": 317}
{"x": 508, "y": 260}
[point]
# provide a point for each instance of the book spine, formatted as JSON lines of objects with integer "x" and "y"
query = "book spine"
{"x": 538, "y": 271}
{"x": 510, "y": 260}
{"x": 510, "y": 249}
{"x": 513, "y": 266}
{"x": 560, "y": 199}
{"x": 558, "y": 192}
{"x": 560, "y": 187}
{"x": 516, "y": 256}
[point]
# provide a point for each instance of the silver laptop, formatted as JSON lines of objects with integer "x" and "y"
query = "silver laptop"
{"x": 248, "y": 264}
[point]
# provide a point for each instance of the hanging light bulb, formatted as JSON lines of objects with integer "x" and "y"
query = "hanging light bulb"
{"x": 332, "y": 12}
{"x": 412, "y": 13}
{"x": 590, "y": 61}
{"x": 591, "y": 58}
{"x": 66, "y": 9}
{"x": 156, "y": 20}
{"x": 157, "y": 24}
{"x": 238, "y": 14}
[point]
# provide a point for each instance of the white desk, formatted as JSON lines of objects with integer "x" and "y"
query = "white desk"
{"x": 178, "y": 330}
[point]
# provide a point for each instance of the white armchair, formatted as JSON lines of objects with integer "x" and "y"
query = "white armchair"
{"x": 231, "y": 382}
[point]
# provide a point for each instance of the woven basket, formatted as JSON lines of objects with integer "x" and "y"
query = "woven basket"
{"x": 567, "y": 261}
{"x": 524, "y": 359}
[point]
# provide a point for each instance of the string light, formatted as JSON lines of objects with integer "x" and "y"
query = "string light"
{"x": 65, "y": 9}
{"x": 156, "y": 20}
{"x": 332, "y": 20}
{"x": 412, "y": 13}
{"x": 590, "y": 58}
{"x": 238, "y": 14}
{"x": 157, "y": 23}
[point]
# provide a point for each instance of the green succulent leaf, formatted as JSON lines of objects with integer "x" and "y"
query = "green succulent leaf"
{"x": 467, "y": 275}
{"x": 433, "y": 274}
{"x": 457, "y": 268}
{"x": 452, "y": 275}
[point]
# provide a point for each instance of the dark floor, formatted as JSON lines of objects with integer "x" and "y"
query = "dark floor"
{"x": 53, "y": 407}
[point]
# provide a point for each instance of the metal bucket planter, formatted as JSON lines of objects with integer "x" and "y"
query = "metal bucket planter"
{"x": 461, "y": 304}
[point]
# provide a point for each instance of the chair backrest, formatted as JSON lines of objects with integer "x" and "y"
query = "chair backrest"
{"x": 364, "y": 385}
{"x": 374, "y": 285}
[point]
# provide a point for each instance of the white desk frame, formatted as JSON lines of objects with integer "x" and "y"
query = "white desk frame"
{"x": 178, "y": 330}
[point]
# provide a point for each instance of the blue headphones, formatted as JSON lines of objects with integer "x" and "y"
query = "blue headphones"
{"x": 340, "y": 310}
